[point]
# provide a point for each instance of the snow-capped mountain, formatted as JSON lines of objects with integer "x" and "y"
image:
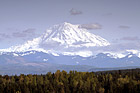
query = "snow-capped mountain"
{"x": 69, "y": 35}
{"x": 67, "y": 44}
{"x": 67, "y": 39}
{"x": 63, "y": 38}
{"x": 99, "y": 60}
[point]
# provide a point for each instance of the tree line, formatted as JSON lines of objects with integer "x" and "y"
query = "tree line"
{"x": 120, "y": 81}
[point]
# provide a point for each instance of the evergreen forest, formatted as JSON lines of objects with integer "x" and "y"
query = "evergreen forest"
{"x": 117, "y": 81}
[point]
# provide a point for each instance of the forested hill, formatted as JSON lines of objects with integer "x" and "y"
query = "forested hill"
{"x": 120, "y": 81}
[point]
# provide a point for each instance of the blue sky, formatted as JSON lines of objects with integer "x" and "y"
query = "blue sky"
{"x": 117, "y": 20}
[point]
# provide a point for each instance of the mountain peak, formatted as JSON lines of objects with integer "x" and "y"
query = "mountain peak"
{"x": 66, "y": 23}
{"x": 63, "y": 26}
{"x": 72, "y": 36}
{"x": 64, "y": 37}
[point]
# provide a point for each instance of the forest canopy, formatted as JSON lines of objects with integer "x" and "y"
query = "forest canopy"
{"x": 120, "y": 81}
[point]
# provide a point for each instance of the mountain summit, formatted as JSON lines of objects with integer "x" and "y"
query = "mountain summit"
{"x": 69, "y": 35}
{"x": 65, "y": 37}
{"x": 66, "y": 44}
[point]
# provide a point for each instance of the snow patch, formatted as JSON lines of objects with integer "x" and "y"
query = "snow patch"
{"x": 130, "y": 56}
{"x": 79, "y": 53}
{"x": 14, "y": 54}
{"x": 116, "y": 55}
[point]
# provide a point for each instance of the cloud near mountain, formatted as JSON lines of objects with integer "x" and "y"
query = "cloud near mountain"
{"x": 62, "y": 38}
{"x": 124, "y": 27}
{"x": 22, "y": 35}
{"x": 91, "y": 26}
{"x": 67, "y": 44}
{"x": 131, "y": 38}
{"x": 69, "y": 39}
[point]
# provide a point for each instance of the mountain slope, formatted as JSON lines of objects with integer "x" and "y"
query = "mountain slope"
{"x": 63, "y": 38}
{"x": 69, "y": 35}
{"x": 66, "y": 45}
{"x": 35, "y": 58}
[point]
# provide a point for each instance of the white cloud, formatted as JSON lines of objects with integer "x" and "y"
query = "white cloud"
{"x": 131, "y": 38}
{"x": 90, "y": 26}
{"x": 124, "y": 27}
{"x": 75, "y": 12}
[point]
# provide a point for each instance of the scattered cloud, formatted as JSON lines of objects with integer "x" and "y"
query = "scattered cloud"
{"x": 90, "y": 26}
{"x": 119, "y": 47}
{"x": 130, "y": 38}
{"x": 124, "y": 27}
{"x": 75, "y": 12}
{"x": 18, "y": 34}
{"x": 4, "y": 36}
{"x": 123, "y": 46}
{"x": 23, "y": 35}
